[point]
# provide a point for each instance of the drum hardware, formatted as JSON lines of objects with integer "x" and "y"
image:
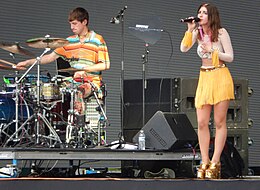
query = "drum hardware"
{"x": 78, "y": 131}
{"x": 15, "y": 48}
{"x": 14, "y": 102}
{"x": 70, "y": 129}
{"x": 53, "y": 136}
{"x": 100, "y": 107}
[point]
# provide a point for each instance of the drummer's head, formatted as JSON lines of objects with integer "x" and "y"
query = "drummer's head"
{"x": 80, "y": 14}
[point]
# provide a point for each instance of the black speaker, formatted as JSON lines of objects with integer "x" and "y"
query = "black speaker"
{"x": 158, "y": 96}
{"x": 168, "y": 131}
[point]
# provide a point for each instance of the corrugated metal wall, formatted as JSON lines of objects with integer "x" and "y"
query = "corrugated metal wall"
{"x": 21, "y": 20}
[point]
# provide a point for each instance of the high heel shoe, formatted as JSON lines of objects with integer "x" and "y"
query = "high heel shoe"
{"x": 202, "y": 169}
{"x": 213, "y": 171}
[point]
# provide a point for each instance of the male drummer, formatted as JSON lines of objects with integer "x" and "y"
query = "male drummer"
{"x": 86, "y": 51}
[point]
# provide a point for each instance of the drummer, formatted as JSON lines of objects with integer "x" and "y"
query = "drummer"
{"x": 86, "y": 52}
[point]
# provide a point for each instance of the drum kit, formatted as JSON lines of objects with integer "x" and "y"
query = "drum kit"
{"x": 37, "y": 110}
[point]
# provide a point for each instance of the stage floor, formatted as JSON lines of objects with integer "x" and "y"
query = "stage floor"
{"x": 97, "y": 153}
{"x": 109, "y": 182}
{"x": 127, "y": 184}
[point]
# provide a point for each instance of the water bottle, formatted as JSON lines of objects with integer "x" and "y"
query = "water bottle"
{"x": 141, "y": 140}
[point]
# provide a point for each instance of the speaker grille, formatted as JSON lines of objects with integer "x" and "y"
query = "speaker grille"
{"x": 158, "y": 137}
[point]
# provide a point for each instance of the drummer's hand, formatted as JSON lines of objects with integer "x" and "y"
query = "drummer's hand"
{"x": 21, "y": 65}
{"x": 79, "y": 74}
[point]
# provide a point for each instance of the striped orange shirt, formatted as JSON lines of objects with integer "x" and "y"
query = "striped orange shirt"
{"x": 92, "y": 51}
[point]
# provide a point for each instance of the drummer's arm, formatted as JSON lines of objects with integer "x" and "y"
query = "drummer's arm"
{"x": 44, "y": 60}
{"x": 97, "y": 67}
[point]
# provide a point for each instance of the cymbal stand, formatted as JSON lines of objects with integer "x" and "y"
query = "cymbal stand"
{"x": 93, "y": 89}
{"x": 16, "y": 99}
{"x": 71, "y": 115}
{"x": 37, "y": 116}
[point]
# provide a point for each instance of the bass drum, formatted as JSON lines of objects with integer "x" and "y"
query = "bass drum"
{"x": 7, "y": 109}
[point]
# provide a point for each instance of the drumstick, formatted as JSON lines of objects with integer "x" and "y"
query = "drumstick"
{"x": 7, "y": 62}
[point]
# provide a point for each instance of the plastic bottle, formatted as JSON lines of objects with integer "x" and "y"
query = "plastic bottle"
{"x": 141, "y": 140}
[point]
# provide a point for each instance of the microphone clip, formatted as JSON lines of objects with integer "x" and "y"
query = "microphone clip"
{"x": 116, "y": 19}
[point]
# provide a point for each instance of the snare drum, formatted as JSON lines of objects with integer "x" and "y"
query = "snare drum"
{"x": 50, "y": 91}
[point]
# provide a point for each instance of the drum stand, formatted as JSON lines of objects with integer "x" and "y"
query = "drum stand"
{"x": 16, "y": 120}
{"x": 93, "y": 89}
{"x": 73, "y": 129}
{"x": 71, "y": 116}
{"x": 38, "y": 115}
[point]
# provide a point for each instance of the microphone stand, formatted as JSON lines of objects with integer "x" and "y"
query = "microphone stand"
{"x": 144, "y": 81}
{"x": 116, "y": 20}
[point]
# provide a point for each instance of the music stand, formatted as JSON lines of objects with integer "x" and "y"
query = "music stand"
{"x": 149, "y": 30}
{"x": 62, "y": 64}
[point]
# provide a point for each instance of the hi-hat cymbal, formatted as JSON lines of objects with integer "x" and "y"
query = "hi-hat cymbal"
{"x": 70, "y": 70}
{"x": 15, "y": 48}
{"x": 47, "y": 42}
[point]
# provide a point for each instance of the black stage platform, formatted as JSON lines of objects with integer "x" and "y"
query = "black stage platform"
{"x": 112, "y": 183}
{"x": 126, "y": 184}
{"x": 97, "y": 153}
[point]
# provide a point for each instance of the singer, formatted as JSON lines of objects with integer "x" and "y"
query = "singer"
{"x": 86, "y": 52}
{"x": 215, "y": 87}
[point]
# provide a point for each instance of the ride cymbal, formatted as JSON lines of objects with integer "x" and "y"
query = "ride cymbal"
{"x": 47, "y": 42}
{"x": 15, "y": 48}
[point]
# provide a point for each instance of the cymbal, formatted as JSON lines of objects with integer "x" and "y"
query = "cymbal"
{"x": 47, "y": 42}
{"x": 15, "y": 48}
{"x": 70, "y": 70}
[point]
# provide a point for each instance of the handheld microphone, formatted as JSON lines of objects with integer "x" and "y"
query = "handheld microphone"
{"x": 196, "y": 19}
{"x": 115, "y": 20}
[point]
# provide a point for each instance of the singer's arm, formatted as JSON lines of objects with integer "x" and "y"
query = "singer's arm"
{"x": 227, "y": 55}
{"x": 188, "y": 40}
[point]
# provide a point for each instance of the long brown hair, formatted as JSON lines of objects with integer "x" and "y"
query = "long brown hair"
{"x": 213, "y": 19}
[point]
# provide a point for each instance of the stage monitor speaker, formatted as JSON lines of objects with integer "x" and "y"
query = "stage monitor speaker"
{"x": 168, "y": 131}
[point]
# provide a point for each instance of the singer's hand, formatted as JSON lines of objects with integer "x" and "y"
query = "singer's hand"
{"x": 191, "y": 25}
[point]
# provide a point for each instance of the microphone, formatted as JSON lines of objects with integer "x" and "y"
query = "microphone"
{"x": 115, "y": 20}
{"x": 196, "y": 19}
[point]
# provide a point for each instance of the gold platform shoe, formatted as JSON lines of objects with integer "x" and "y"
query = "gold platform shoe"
{"x": 213, "y": 171}
{"x": 202, "y": 170}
